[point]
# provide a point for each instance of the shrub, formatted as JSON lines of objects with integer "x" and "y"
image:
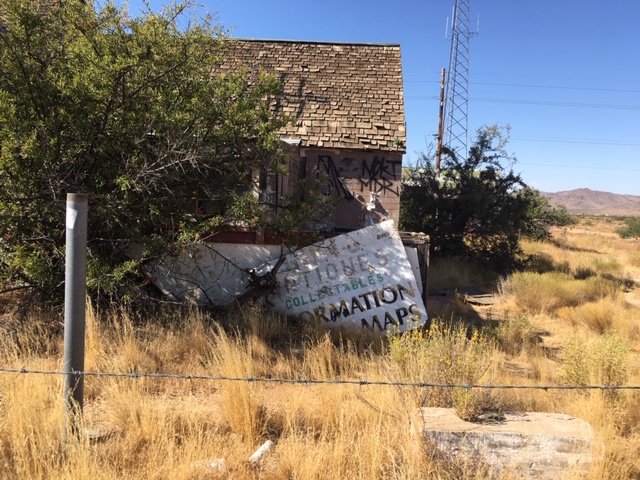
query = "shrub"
{"x": 446, "y": 354}
{"x": 582, "y": 273}
{"x": 547, "y": 292}
{"x": 515, "y": 334}
{"x": 123, "y": 108}
{"x": 575, "y": 367}
{"x": 610, "y": 354}
{"x": 471, "y": 207}
{"x": 631, "y": 229}
{"x": 602, "y": 361}
{"x": 540, "y": 263}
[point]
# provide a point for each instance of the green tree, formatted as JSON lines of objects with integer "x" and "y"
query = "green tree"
{"x": 540, "y": 215}
{"x": 475, "y": 207}
{"x": 125, "y": 109}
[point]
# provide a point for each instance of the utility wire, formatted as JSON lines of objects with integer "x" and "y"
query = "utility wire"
{"x": 551, "y": 87}
{"x": 582, "y": 167}
{"x": 556, "y": 104}
{"x": 558, "y": 87}
{"x": 586, "y": 142}
{"x": 542, "y": 103}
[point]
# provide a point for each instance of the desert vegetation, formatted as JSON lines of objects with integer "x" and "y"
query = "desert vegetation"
{"x": 174, "y": 392}
{"x": 571, "y": 319}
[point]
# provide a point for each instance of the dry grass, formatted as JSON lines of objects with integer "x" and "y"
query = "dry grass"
{"x": 516, "y": 334}
{"x": 447, "y": 354}
{"x": 538, "y": 293}
{"x": 160, "y": 428}
{"x": 610, "y": 314}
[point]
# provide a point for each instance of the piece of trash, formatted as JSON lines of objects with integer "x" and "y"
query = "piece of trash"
{"x": 219, "y": 464}
{"x": 263, "y": 450}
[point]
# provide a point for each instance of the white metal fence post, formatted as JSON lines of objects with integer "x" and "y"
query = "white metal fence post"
{"x": 74, "y": 310}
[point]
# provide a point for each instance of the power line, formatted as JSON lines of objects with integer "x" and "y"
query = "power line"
{"x": 577, "y": 141}
{"x": 557, "y": 104}
{"x": 582, "y": 167}
{"x": 524, "y": 85}
{"x": 613, "y": 143}
{"x": 558, "y": 87}
{"x": 537, "y": 103}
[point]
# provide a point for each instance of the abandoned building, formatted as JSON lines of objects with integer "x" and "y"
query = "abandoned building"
{"x": 344, "y": 142}
{"x": 348, "y": 127}
{"x": 348, "y": 138}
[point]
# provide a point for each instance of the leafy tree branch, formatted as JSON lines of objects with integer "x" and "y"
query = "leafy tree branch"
{"x": 126, "y": 109}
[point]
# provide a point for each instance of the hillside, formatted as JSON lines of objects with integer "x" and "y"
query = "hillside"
{"x": 593, "y": 202}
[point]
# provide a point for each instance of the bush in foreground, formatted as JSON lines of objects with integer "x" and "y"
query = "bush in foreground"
{"x": 125, "y": 109}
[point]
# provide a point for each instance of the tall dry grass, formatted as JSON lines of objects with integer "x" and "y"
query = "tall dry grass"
{"x": 609, "y": 314}
{"x": 591, "y": 319}
{"x": 162, "y": 428}
{"x": 447, "y": 354}
{"x": 537, "y": 293}
{"x": 168, "y": 428}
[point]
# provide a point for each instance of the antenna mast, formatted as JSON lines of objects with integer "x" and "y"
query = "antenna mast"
{"x": 456, "y": 107}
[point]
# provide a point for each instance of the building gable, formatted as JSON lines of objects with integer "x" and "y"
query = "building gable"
{"x": 340, "y": 95}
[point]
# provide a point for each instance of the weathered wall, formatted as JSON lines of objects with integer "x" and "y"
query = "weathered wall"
{"x": 353, "y": 173}
{"x": 278, "y": 186}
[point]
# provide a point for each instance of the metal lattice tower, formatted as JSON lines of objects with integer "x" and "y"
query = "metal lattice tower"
{"x": 456, "y": 106}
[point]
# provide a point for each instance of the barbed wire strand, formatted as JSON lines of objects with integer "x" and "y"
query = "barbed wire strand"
{"x": 316, "y": 381}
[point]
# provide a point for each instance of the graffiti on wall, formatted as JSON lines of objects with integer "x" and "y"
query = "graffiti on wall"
{"x": 378, "y": 175}
{"x": 335, "y": 183}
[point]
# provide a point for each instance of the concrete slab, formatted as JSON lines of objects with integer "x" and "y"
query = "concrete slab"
{"x": 532, "y": 445}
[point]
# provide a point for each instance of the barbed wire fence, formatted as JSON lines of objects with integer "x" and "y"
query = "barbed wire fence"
{"x": 315, "y": 381}
{"x": 73, "y": 372}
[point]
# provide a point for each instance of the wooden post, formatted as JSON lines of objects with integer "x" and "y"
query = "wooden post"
{"x": 440, "y": 120}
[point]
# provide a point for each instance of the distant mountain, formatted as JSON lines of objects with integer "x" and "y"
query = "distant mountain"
{"x": 593, "y": 202}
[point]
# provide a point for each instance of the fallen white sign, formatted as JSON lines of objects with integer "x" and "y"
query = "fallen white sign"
{"x": 362, "y": 278}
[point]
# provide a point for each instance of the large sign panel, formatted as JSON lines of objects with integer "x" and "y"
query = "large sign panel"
{"x": 362, "y": 278}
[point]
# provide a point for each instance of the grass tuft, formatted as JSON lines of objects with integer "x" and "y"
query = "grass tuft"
{"x": 546, "y": 293}
{"x": 236, "y": 358}
{"x": 609, "y": 314}
{"x": 600, "y": 361}
{"x": 516, "y": 334}
{"x": 446, "y": 354}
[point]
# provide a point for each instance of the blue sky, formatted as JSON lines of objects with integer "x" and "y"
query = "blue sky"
{"x": 564, "y": 74}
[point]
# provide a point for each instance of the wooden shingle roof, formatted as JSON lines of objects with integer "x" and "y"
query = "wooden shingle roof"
{"x": 340, "y": 95}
